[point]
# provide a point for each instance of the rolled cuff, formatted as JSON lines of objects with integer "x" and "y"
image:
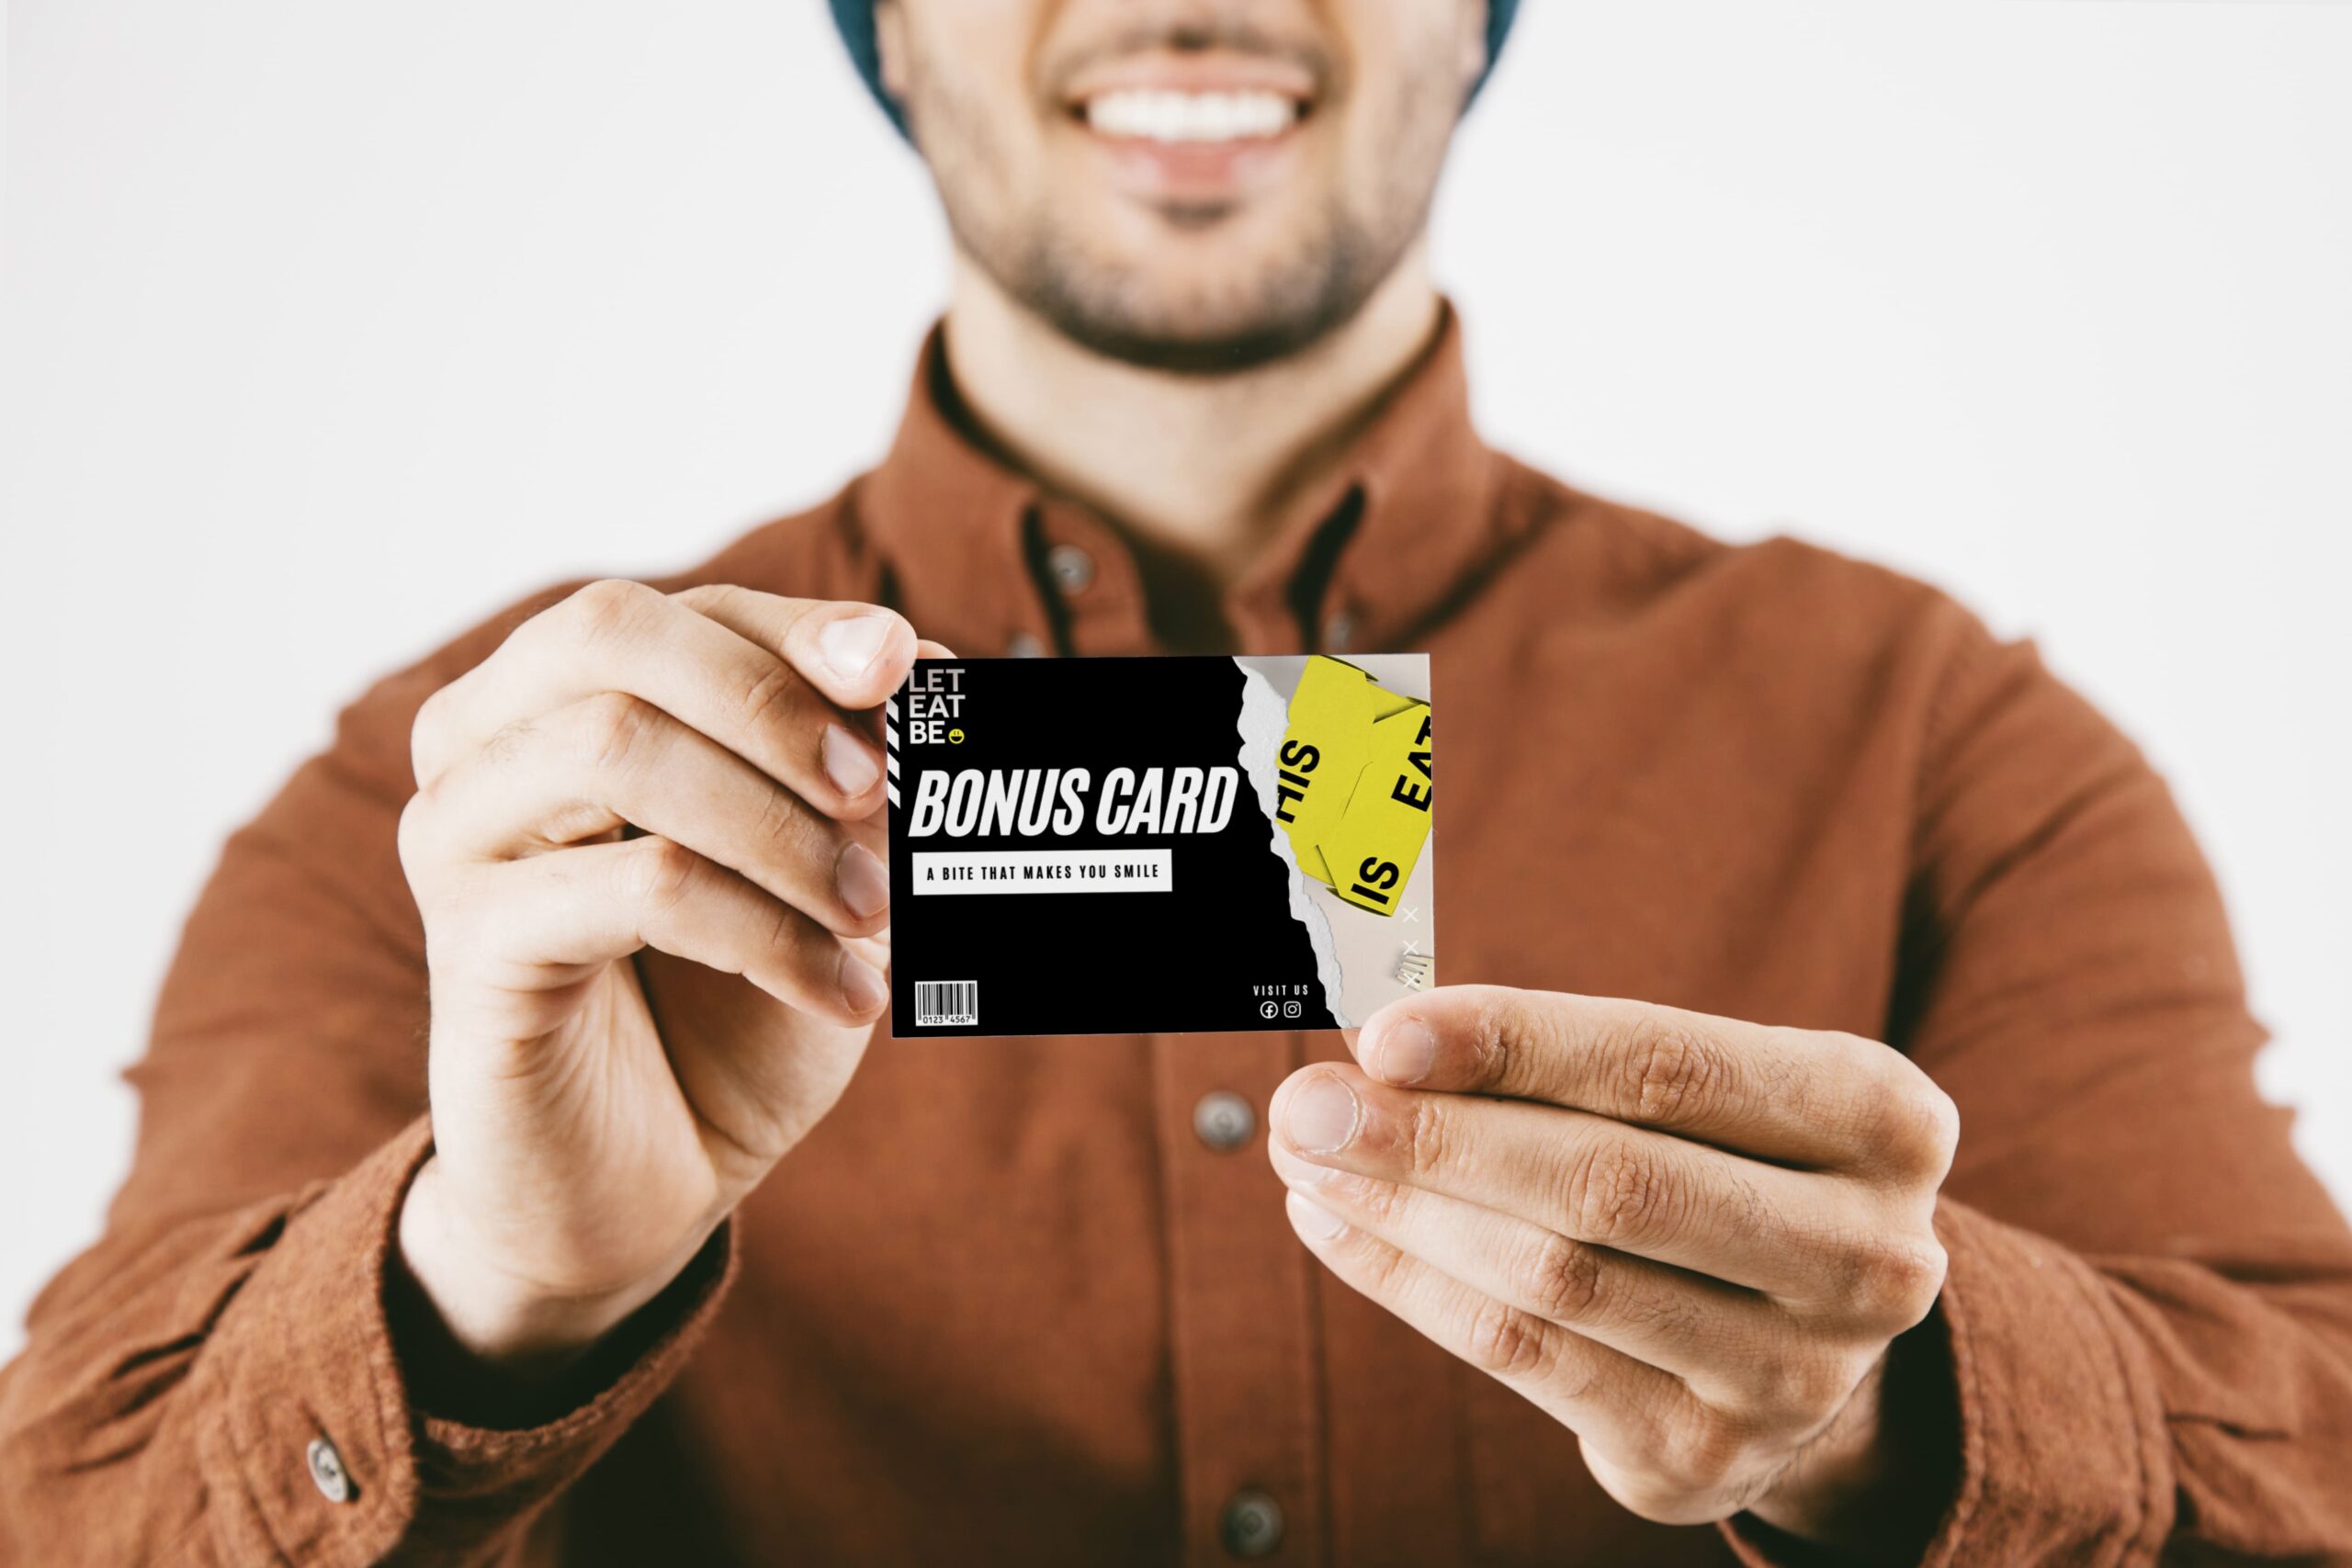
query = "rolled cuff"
{"x": 303, "y": 1354}
{"x": 2064, "y": 1453}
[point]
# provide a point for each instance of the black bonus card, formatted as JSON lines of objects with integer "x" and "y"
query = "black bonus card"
{"x": 1129, "y": 846}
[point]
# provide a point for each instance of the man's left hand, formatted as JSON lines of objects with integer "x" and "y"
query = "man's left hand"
{"x": 1689, "y": 1239}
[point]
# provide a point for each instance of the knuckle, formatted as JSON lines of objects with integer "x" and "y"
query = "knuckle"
{"x": 1506, "y": 1342}
{"x": 1564, "y": 1280}
{"x": 786, "y": 936}
{"x": 1385, "y": 1203}
{"x": 424, "y": 732}
{"x": 610, "y": 609}
{"x": 660, "y": 872}
{"x": 1932, "y": 1120}
{"x": 770, "y": 699}
{"x": 1673, "y": 1074}
{"x": 1896, "y": 1281}
{"x": 1618, "y": 1195}
{"x": 611, "y": 729}
{"x": 1914, "y": 1125}
{"x": 1945, "y": 1113}
{"x": 508, "y": 743}
{"x": 1429, "y": 1137}
{"x": 1919, "y": 1280}
{"x": 1390, "y": 1267}
{"x": 1799, "y": 1391}
{"x": 1492, "y": 1024}
{"x": 412, "y": 837}
{"x": 1702, "y": 1451}
{"x": 1384, "y": 1267}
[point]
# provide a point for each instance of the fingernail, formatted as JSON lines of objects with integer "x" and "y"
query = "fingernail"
{"x": 1406, "y": 1053}
{"x": 849, "y": 761}
{"x": 1313, "y": 1219}
{"x": 864, "y": 881}
{"x": 1321, "y": 1117}
{"x": 851, "y": 644}
{"x": 861, "y": 985}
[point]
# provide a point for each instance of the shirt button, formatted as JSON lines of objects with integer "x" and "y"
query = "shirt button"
{"x": 1071, "y": 567}
{"x": 326, "y": 1470}
{"x": 1252, "y": 1525}
{"x": 1339, "y": 631}
{"x": 1023, "y": 645}
{"x": 1223, "y": 1119}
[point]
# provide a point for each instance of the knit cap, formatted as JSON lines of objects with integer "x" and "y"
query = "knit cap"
{"x": 855, "y": 20}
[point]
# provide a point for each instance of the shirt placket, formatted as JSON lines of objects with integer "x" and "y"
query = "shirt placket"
{"x": 1091, "y": 592}
{"x": 1245, "y": 1356}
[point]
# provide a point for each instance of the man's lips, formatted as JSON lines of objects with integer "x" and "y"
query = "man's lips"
{"x": 1145, "y": 114}
{"x": 1202, "y": 72}
{"x": 1192, "y": 127}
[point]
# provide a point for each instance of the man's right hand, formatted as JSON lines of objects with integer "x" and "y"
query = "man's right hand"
{"x": 648, "y": 847}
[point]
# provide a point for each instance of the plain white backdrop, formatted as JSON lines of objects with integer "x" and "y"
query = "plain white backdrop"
{"x": 332, "y": 328}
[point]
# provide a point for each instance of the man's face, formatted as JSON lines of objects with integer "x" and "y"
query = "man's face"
{"x": 1192, "y": 185}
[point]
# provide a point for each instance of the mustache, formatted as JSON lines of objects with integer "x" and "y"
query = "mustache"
{"x": 1197, "y": 34}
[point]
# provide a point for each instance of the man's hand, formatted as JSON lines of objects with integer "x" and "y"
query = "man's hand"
{"x": 647, "y": 846}
{"x": 1690, "y": 1240}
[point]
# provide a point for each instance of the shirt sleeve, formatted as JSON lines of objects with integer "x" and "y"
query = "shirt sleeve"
{"x": 2147, "y": 1317}
{"x": 216, "y": 1380}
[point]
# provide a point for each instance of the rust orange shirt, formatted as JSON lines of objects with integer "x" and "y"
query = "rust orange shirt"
{"x": 1017, "y": 1301}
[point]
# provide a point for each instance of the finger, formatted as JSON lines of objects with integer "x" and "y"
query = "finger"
{"x": 611, "y": 761}
{"x": 1585, "y": 1176}
{"x": 1805, "y": 1097}
{"x": 780, "y": 706}
{"x": 855, "y": 653}
{"x": 532, "y": 928}
{"x": 1700, "y": 1330}
{"x": 756, "y": 616}
{"x": 1605, "y": 1397}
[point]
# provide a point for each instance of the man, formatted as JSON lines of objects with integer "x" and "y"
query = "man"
{"x": 1849, "y": 1148}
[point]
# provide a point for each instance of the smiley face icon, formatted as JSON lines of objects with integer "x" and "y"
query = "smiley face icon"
{"x": 955, "y": 738}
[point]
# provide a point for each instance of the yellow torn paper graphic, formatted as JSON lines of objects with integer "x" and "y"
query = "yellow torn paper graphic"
{"x": 1371, "y": 853}
{"x": 1323, "y": 750}
{"x": 1354, "y": 786}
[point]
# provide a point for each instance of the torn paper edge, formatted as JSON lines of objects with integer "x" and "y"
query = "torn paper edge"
{"x": 1263, "y": 720}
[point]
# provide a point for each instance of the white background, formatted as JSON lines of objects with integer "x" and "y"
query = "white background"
{"x": 332, "y": 327}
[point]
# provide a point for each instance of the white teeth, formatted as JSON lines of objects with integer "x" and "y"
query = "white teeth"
{"x": 1191, "y": 116}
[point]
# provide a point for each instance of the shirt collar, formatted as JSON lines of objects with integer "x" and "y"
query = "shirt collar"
{"x": 982, "y": 559}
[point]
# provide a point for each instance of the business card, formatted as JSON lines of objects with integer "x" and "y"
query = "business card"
{"x": 1162, "y": 845}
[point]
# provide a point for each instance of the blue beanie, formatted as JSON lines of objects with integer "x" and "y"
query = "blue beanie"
{"x": 855, "y": 20}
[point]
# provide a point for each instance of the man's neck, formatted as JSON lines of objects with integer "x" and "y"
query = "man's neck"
{"x": 1194, "y": 468}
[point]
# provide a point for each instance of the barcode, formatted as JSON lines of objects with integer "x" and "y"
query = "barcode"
{"x": 947, "y": 1002}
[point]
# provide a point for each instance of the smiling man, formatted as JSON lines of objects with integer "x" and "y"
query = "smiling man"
{"x": 1847, "y": 1147}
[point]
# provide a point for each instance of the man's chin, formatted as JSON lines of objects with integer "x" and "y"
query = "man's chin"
{"x": 1273, "y": 325}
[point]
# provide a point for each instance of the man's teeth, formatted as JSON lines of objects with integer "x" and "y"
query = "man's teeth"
{"x": 1191, "y": 116}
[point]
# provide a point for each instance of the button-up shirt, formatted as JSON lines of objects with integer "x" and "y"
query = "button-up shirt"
{"x": 1035, "y": 1301}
